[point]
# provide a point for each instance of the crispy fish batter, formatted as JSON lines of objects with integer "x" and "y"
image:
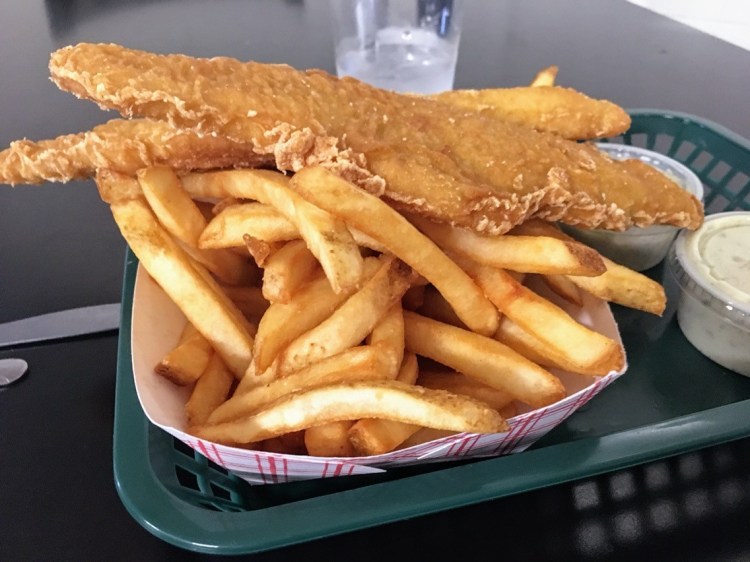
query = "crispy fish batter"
{"x": 425, "y": 156}
{"x": 553, "y": 109}
{"x": 125, "y": 147}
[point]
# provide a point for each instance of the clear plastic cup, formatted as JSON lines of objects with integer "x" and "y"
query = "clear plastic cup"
{"x": 402, "y": 45}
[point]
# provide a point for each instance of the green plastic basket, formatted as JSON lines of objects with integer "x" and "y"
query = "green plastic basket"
{"x": 650, "y": 413}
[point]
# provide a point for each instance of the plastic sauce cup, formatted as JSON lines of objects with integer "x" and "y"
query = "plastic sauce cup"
{"x": 712, "y": 266}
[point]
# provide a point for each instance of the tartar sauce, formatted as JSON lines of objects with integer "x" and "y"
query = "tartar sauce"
{"x": 712, "y": 266}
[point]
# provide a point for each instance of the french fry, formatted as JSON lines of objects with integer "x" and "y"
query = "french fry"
{"x": 466, "y": 386}
{"x": 354, "y": 364}
{"x": 211, "y": 389}
{"x": 564, "y": 288}
{"x": 327, "y": 237}
{"x": 571, "y": 343}
{"x": 482, "y": 358}
{"x": 515, "y": 337}
{"x": 330, "y": 439}
{"x": 414, "y": 297}
{"x": 372, "y": 436}
{"x": 375, "y": 218}
{"x": 388, "y": 336}
{"x": 437, "y": 308}
{"x": 545, "y": 77}
{"x": 618, "y": 284}
{"x": 287, "y": 444}
{"x": 233, "y": 221}
{"x": 352, "y": 321}
{"x": 186, "y": 362}
{"x": 425, "y": 435}
{"x": 284, "y": 322}
{"x": 286, "y": 270}
{"x": 351, "y": 401}
{"x": 193, "y": 291}
{"x": 524, "y": 254}
{"x": 260, "y": 250}
{"x": 182, "y": 218}
{"x": 249, "y": 300}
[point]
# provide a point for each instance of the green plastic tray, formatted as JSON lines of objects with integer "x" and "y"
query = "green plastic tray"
{"x": 671, "y": 400}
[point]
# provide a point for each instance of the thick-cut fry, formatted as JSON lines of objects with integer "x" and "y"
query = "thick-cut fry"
{"x": 284, "y": 322}
{"x": 372, "y": 436}
{"x": 355, "y": 364}
{"x": 352, "y": 321}
{"x": 211, "y": 389}
{"x": 565, "y": 288}
{"x": 193, "y": 291}
{"x": 388, "y": 336}
{"x": 260, "y": 250}
{"x": 528, "y": 345}
{"x": 327, "y": 238}
{"x": 249, "y": 300}
{"x": 525, "y": 254}
{"x": 376, "y": 219}
{"x": 569, "y": 341}
{"x": 183, "y": 219}
{"x": 186, "y": 362}
{"x": 287, "y": 444}
{"x": 330, "y": 439}
{"x": 466, "y": 386}
{"x": 286, "y": 270}
{"x": 482, "y": 358}
{"x": 351, "y": 401}
{"x": 424, "y": 435}
{"x": 232, "y": 222}
{"x": 414, "y": 297}
{"x": 545, "y": 77}
{"x": 618, "y": 284}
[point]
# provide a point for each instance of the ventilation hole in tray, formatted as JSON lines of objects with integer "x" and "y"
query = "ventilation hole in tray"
{"x": 639, "y": 139}
{"x": 220, "y": 492}
{"x": 685, "y": 150}
{"x": 663, "y": 143}
{"x": 737, "y": 183}
{"x": 719, "y": 171}
{"x": 717, "y": 204}
{"x": 186, "y": 478}
{"x": 703, "y": 160}
{"x": 213, "y": 466}
{"x": 181, "y": 447}
{"x": 616, "y": 140}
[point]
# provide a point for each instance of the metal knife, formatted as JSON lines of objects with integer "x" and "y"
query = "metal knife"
{"x": 63, "y": 324}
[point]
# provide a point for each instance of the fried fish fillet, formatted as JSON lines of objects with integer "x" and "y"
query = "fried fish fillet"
{"x": 422, "y": 155}
{"x": 553, "y": 109}
{"x": 123, "y": 146}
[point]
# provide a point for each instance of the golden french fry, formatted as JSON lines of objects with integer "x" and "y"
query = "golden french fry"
{"x": 284, "y": 322}
{"x": 466, "y": 386}
{"x": 524, "y": 254}
{"x": 233, "y": 221}
{"x": 290, "y": 267}
{"x": 564, "y": 288}
{"x": 288, "y": 444}
{"x": 545, "y": 77}
{"x": 568, "y": 341}
{"x": 375, "y": 218}
{"x": 211, "y": 389}
{"x": 618, "y": 284}
{"x": 357, "y": 363}
{"x": 352, "y": 401}
{"x": 388, "y": 336}
{"x": 260, "y": 250}
{"x": 191, "y": 289}
{"x": 409, "y": 370}
{"x": 327, "y": 237}
{"x": 249, "y": 300}
{"x": 437, "y": 308}
{"x": 414, "y": 297}
{"x": 352, "y": 321}
{"x": 182, "y": 218}
{"x": 482, "y": 358}
{"x": 187, "y": 361}
{"x": 528, "y": 345}
{"x": 329, "y": 439}
{"x": 115, "y": 187}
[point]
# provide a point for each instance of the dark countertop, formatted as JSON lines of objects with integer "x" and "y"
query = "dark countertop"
{"x": 59, "y": 248}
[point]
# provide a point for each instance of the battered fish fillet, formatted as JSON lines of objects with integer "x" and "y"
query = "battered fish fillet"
{"x": 422, "y": 155}
{"x": 122, "y": 146}
{"x": 563, "y": 111}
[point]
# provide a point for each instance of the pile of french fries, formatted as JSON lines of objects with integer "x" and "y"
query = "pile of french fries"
{"x": 322, "y": 321}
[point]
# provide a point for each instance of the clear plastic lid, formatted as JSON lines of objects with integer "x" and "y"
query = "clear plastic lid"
{"x": 688, "y": 262}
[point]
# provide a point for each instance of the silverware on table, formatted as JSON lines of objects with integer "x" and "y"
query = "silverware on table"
{"x": 62, "y": 324}
{"x": 11, "y": 370}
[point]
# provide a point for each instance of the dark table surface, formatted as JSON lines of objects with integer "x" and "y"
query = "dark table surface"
{"x": 59, "y": 248}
